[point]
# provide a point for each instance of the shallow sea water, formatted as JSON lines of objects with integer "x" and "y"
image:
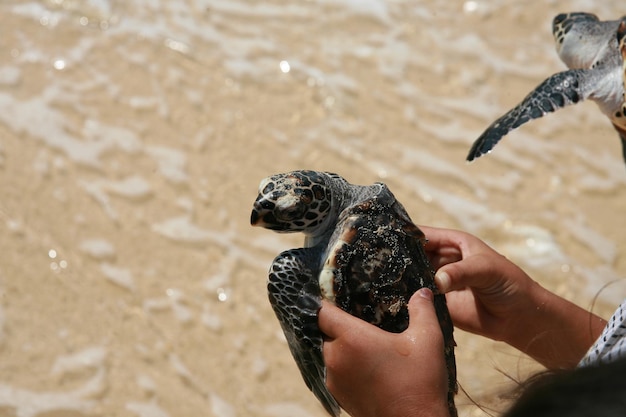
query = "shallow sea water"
{"x": 133, "y": 136}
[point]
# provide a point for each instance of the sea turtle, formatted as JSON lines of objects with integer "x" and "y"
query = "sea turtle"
{"x": 594, "y": 52}
{"x": 362, "y": 252}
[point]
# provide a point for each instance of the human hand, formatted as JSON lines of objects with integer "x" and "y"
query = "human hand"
{"x": 489, "y": 295}
{"x": 374, "y": 373}
{"x": 486, "y": 293}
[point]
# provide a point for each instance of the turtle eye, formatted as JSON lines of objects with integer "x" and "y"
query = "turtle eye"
{"x": 558, "y": 19}
{"x": 266, "y": 185}
{"x": 294, "y": 212}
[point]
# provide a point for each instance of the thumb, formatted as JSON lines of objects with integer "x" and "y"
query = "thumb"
{"x": 422, "y": 310}
{"x": 334, "y": 322}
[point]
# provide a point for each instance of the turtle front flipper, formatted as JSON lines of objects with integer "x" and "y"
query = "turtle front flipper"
{"x": 560, "y": 90}
{"x": 294, "y": 294}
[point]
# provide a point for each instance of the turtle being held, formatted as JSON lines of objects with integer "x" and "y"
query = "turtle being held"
{"x": 594, "y": 52}
{"x": 362, "y": 252}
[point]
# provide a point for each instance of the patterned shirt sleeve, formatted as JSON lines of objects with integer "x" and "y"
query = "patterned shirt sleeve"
{"x": 611, "y": 344}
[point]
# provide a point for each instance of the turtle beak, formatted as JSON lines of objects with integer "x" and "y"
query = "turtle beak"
{"x": 262, "y": 213}
{"x": 262, "y": 206}
{"x": 256, "y": 217}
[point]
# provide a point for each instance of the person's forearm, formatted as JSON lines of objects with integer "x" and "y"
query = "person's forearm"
{"x": 555, "y": 332}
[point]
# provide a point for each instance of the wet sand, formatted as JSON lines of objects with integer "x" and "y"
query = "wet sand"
{"x": 132, "y": 141}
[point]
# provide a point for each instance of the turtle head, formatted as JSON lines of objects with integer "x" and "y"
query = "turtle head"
{"x": 297, "y": 201}
{"x": 581, "y": 39}
{"x": 579, "y": 21}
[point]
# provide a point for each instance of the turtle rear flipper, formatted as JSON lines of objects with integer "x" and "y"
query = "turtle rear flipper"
{"x": 296, "y": 301}
{"x": 560, "y": 90}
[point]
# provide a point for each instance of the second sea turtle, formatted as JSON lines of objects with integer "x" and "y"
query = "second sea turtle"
{"x": 594, "y": 52}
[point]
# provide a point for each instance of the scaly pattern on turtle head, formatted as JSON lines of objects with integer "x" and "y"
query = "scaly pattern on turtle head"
{"x": 298, "y": 201}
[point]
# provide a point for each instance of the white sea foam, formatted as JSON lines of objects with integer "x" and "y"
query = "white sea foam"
{"x": 2, "y": 322}
{"x": 98, "y": 248}
{"x": 374, "y": 9}
{"x": 219, "y": 407}
{"x": 122, "y": 277}
{"x": 10, "y": 75}
{"x": 535, "y": 244}
{"x": 181, "y": 229}
{"x": 211, "y": 319}
{"x": 181, "y": 311}
{"x": 146, "y": 409}
{"x": 147, "y": 384}
{"x": 284, "y": 409}
{"x": 134, "y": 188}
{"x": 470, "y": 215}
{"x": 174, "y": 301}
{"x": 92, "y": 357}
{"x": 600, "y": 245}
{"x": 37, "y": 119}
{"x": 433, "y": 164}
{"x": 171, "y": 163}
{"x": 97, "y": 192}
{"x": 27, "y": 403}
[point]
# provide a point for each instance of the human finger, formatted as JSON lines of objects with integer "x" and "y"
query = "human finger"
{"x": 422, "y": 315}
{"x": 439, "y": 238}
{"x": 479, "y": 271}
{"x": 444, "y": 246}
{"x": 334, "y": 322}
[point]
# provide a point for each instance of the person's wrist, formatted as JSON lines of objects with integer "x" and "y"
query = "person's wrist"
{"x": 552, "y": 330}
{"x": 530, "y": 316}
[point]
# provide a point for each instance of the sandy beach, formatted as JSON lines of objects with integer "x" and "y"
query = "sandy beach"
{"x": 133, "y": 136}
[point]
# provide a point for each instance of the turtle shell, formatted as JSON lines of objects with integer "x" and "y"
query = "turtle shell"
{"x": 376, "y": 262}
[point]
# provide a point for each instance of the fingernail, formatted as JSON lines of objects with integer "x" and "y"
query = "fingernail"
{"x": 442, "y": 280}
{"x": 425, "y": 293}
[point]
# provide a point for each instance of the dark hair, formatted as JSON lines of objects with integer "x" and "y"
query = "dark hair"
{"x": 594, "y": 390}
